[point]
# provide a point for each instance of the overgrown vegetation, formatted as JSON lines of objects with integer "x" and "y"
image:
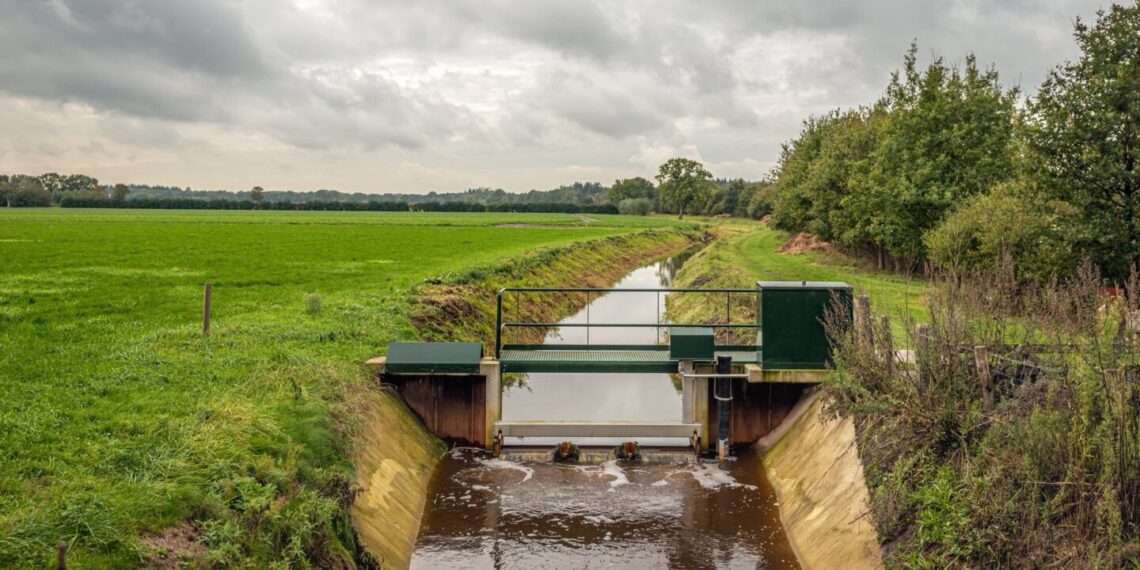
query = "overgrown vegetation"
{"x": 120, "y": 421}
{"x": 1022, "y": 454}
{"x": 947, "y": 169}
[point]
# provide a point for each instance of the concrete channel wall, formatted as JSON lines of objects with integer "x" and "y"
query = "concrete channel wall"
{"x": 814, "y": 466}
{"x": 394, "y": 464}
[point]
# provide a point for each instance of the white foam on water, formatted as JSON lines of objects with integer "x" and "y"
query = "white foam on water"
{"x": 711, "y": 476}
{"x": 504, "y": 464}
{"x": 612, "y": 469}
{"x": 480, "y": 488}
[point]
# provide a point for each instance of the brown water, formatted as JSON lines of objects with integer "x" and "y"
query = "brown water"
{"x": 495, "y": 513}
{"x": 672, "y": 511}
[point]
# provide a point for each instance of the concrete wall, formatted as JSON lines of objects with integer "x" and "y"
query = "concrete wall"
{"x": 813, "y": 464}
{"x": 394, "y": 464}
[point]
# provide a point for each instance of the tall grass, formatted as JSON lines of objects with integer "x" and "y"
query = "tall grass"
{"x": 1048, "y": 475}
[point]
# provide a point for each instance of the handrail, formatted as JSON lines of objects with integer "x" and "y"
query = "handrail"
{"x": 638, "y": 325}
{"x": 627, "y": 290}
{"x": 500, "y": 326}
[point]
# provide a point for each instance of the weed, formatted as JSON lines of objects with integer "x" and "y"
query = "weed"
{"x": 312, "y": 304}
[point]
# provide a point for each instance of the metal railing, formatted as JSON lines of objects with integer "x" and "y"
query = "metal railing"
{"x": 501, "y": 325}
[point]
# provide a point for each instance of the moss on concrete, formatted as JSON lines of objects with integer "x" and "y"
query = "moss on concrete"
{"x": 394, "y": 462}
{"x": 818, "y": 477}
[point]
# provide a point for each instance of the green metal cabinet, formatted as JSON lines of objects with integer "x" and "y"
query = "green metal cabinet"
{"x": 791, "y": 316}
{"x": 692, "y": 343}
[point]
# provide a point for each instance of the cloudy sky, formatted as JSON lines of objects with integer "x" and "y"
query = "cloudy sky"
{"x": 413, "y": 96}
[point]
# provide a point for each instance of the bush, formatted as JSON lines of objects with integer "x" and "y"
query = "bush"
{"x": 312, "y": 304}
{"x": 635, "y": 206}
{"x": 1005, "y": 221}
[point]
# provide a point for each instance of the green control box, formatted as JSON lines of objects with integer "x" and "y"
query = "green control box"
{"x": 691, "y": 343}
{"x": 791, "y": 316}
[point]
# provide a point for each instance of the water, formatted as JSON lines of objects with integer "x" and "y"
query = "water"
{"x": 522, "y": 511}
{"x": 600, "y": 397}
{"x": 494, "y": 513}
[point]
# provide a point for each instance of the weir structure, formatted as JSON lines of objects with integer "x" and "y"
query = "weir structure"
{"x": 731, "y": 392}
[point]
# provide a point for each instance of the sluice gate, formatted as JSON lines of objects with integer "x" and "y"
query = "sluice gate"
{"x": 737, "y": 379}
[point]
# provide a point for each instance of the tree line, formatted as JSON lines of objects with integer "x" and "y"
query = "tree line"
{"x": 950, "y": 169}
{"x": 683, "y": 186}
{"x": 318, "y": 205}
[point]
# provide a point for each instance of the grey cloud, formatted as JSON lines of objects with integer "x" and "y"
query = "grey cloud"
{"x": 482, "y": 86}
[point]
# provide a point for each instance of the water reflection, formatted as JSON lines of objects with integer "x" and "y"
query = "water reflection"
{"x": 606, "y": 397}
{"x": 493, "y": 513}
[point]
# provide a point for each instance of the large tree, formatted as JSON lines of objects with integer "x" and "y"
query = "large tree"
{"x": 948, "y": 136}
{"x": 119, "y": 193}
{"x": 1085, "y": 128}
{"x": 257, "y": 194}
{"x": 681, "y": 182}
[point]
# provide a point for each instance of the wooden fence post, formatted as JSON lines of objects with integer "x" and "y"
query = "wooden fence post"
{"x": 207, "y": 295}
{"x": 982, "y": 362}
{"x": 863, "y": 336}
{"x": 886, "y": 346}
{"x": 922, "y": 355}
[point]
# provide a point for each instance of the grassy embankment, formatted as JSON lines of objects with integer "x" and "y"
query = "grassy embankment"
{"x": 747, "y": 252}
{"x": 120, "y": 420}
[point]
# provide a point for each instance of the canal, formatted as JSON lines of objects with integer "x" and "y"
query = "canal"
{"x": 670, "y": 511}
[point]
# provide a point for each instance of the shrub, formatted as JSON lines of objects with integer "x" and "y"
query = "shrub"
{"x": 1007, "y": 220}
{"x": 635, "y": 206}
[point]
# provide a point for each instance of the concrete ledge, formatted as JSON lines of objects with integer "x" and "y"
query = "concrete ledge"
{"x": 572, "y": 430}
{"x": 757, "y": 375}
{"x": 379, "y": 363}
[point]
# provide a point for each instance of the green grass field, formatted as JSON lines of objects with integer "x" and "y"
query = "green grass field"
{"x": 747, "y": 252}
{"x": 118, "y": 419}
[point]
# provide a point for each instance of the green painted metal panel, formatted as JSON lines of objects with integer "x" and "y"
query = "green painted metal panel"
{"x": 692, "y": 343}
{"x": 791, "y": 315}
{"x": 434, "y": 357}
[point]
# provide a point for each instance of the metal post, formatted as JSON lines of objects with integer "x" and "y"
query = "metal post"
{"x": 207, "y": 300}
{"x": 658, "y": 329}
{"x": 499, "y": 324}
{"x": 723, "y": 405}
{"x": 587, "y": 318}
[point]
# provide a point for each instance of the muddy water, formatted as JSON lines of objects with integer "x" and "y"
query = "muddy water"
{"x": 672, "y": 511}
{"x": 494, "y": 513}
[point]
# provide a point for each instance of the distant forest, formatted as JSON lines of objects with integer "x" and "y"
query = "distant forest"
{"x": 637, "y": 196}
